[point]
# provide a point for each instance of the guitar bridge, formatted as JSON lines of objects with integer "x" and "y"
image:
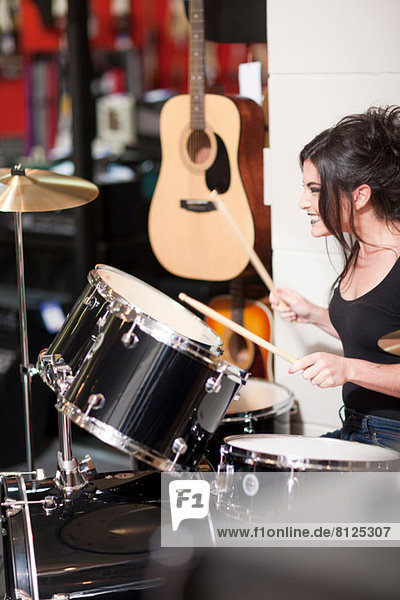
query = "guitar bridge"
{"x": 198, "y": 205}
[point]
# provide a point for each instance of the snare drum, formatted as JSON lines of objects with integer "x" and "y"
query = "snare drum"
{"x": 262, "y": 407}
{"x": 300, "y": 453}
{"x": 278, "y": 476}
{"x": 150, "y": 392}
{"x": 96, "y": 546}
{"x": 111, "y": 289}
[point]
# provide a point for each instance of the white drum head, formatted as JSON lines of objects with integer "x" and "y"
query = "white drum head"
{"x": 158, "y": 306}
{"x": 291, "y": 449}
{"x": 260, "y": 395}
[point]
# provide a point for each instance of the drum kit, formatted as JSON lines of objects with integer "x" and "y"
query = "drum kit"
{"x": 145, "y": 375}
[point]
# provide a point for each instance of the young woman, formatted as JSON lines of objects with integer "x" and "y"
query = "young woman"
{"x": 351, "y": 176}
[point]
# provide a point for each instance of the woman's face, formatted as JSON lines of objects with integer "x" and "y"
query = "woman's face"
{"x": 309, "y": 200}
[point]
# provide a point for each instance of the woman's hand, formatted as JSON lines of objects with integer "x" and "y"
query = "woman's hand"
{"x": 294, "y": 306}
{"x": 323, "y": 370}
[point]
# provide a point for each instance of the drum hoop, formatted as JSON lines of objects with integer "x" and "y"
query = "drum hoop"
{"x": 28, "y": 538}
{"x": 253, "y": 457}
{"x": 236, "y": 374}
{"x": 108, "y": 293}
{"x": 165, "y": 335}
{"x": 157, "y": 330}
{"x": 253, "y": 415}
{"x": 113, "y": 437}
{"x": 105, "y": 290}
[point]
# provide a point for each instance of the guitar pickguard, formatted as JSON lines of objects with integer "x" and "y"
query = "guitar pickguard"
{"x": 218, "y": 176}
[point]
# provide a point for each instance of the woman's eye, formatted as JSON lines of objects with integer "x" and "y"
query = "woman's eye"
{"x": 315, "y": 190}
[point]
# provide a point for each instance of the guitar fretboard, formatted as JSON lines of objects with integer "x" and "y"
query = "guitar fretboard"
{"x": 196, "y": 65}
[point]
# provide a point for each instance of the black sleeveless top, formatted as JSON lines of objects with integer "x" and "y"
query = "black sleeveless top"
{"x": 360, "y": 323}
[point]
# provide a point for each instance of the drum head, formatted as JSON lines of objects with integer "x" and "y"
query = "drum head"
{"x": 260, "y": 397}
{"x": 114, "y": 529}
{"x": 303, "y": 453}
{"x": 155, "y": 304}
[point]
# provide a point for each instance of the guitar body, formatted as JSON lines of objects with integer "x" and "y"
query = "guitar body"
{"x": 256, "y": 317}
{"x": 188, "y": 236}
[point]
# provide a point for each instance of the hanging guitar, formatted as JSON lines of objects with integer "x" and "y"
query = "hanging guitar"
{"x": 208, "y": 141}
{"x": 254, "y": 316}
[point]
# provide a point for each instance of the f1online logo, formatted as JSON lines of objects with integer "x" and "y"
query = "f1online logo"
{"x": 188, "y": 500}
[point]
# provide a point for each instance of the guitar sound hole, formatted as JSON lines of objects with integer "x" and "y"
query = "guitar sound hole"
{"x": 199, "y": 147}
{"x": 239, "y": 349}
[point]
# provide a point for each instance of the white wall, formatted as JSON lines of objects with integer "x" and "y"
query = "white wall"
{"x": 327, "y": 58}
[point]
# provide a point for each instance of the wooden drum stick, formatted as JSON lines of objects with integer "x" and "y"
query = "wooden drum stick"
{"x": 254, "y": 259}
{"x": 209, "y": 312}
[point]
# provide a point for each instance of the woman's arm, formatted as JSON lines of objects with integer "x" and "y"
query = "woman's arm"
{"x": 299, "y": 309}
{"x": 329, "y": 370}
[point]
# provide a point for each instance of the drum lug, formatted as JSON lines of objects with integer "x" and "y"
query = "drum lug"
{"x": 248, "y": 428}
{"x": 97, "y": 342}
{"x": 213, "y": 385}
{"x": 130, "y": 339}
{"x": 116, "y": 309}
{"x": 292, "y": 483}
{"x": 223, "y": 481}
{"x": 179, "y": 447}
{"x": 91, "y": 301}
{"x": 103, "y": 320}
{"x": 95, "y": 402}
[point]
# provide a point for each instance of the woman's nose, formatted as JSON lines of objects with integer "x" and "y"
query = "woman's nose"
{"x": 304, "y": 202}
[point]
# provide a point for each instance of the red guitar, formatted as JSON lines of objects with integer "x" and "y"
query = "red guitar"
{"x": 254, "y": 316}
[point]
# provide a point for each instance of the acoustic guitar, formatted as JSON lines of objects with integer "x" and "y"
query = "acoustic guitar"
{"x": 208, "y": 142}
{"x": 254, "y": 316}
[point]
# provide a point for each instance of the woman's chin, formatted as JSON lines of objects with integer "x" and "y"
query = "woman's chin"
{"x": 319, "y": 230}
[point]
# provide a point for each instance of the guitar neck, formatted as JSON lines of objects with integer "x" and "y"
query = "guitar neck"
{"x": 196, "y": 65}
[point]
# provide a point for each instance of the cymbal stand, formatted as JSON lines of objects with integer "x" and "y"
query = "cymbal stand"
{"x": 30, "y": 191}
{"x": 26, "y": 369}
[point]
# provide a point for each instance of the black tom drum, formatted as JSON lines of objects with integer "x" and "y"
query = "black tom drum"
{"x": 110, "y": 289}
{"x": 150, "y": 392}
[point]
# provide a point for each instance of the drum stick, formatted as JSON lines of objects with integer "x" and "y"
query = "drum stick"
{"x": 209, "y": 312}
{"x": 254, "y": 259}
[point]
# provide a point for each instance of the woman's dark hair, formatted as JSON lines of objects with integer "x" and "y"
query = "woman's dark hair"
{"x": 360, "y": 149}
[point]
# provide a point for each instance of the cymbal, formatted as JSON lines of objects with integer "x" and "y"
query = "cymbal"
{"x": 35, "y": 190}
{"x": 390, "y": 342}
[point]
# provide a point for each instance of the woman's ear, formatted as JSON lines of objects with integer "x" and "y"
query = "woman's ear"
{"x": 361, "y": 196}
